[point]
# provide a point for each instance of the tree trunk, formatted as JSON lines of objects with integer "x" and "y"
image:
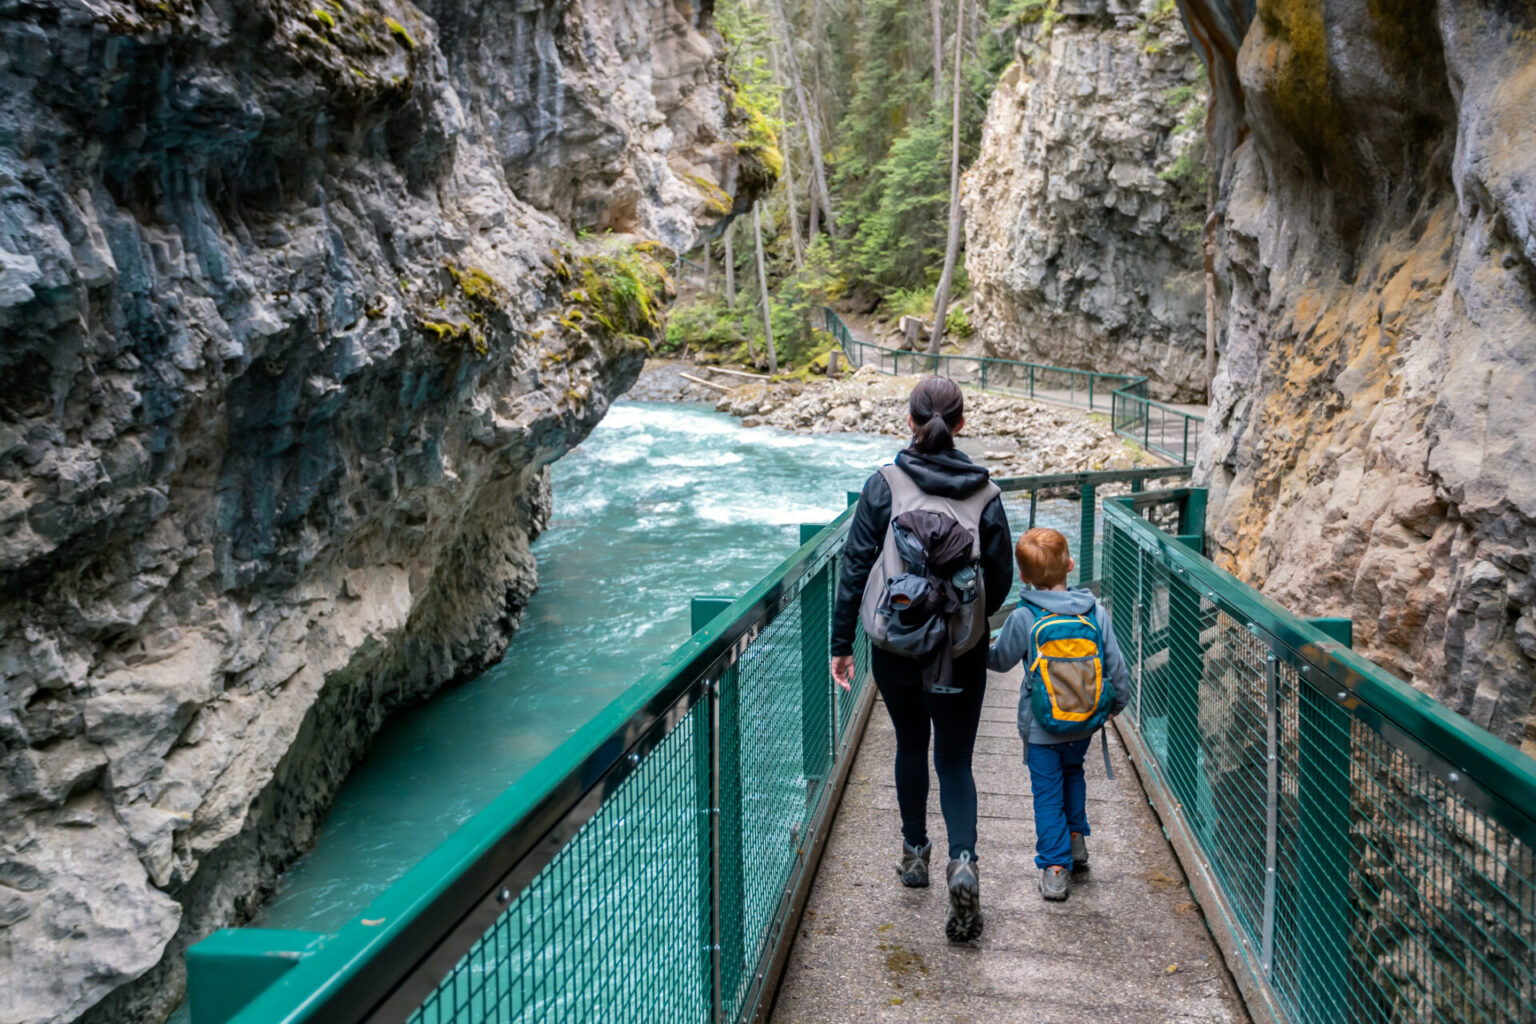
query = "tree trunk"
{"x": 762, "y": 283}
{"x": 952, "y": 246}
{"x": 938, "y": 51}
{"x": 730, "y": 266}
{"x": 812, "y": 132}
{"x": 1208, "y": 251}
{"x": 789, "y": 174}
{"x": 815, "y": 215}
{"x": 795, "y": 241}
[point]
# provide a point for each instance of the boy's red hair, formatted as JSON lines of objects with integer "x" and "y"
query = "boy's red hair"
{"x": 1043, "y": 558}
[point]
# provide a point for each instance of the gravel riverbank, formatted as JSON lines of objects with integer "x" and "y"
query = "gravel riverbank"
{"x": 1012, "y": 437}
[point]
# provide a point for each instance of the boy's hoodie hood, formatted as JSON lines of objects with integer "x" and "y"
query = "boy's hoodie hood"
{"x": 948, "y": 474}
{"x": 1077, "y": 601}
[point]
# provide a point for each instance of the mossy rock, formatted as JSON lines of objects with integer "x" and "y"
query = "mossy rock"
{"x": 617, "y": 297}
{"x": 760, "y": 163}
{"x": 448, "y": 332}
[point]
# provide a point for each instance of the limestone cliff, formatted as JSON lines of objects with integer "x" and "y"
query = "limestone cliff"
{"x": 293, "y": 321}
{"x": 1371, "y": 448}
{"x": 1084, "y": 206}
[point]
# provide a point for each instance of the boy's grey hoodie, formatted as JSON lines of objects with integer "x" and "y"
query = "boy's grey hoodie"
{"x": 1013, "y": 646}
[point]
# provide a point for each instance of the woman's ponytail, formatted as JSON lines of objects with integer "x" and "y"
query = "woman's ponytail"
{"x": 936, "y": 407}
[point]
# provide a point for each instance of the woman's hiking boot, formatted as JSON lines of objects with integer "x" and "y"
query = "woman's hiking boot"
{"x": 964, "y": 921}
{"x": 913, "y": 869}
{"x": 1079, "y": 852}
{"x": 1054, "y": 882}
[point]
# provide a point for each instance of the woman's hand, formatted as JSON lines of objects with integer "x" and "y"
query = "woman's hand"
{"x": 842, "y": 670}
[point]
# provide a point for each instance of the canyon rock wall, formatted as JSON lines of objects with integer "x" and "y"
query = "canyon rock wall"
{"x": 292, "y": 319}
{"x": 1084, "y": 206}
{"x": 1370, "y": 444}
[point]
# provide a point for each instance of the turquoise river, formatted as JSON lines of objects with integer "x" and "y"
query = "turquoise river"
{"x": 662, "y": 502}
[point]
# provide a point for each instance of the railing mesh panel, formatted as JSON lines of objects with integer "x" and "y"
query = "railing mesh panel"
{"x": 617, "y": 926}
{"x": 611, "y": 928}
{"x": 774, "y": 791}
{"x": 1392, "y": 899}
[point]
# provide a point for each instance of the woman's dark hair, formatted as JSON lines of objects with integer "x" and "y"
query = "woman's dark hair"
{"x": 936, "y": 406}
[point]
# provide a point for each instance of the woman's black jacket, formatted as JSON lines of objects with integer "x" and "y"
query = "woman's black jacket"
{"x": 949, "y": 474}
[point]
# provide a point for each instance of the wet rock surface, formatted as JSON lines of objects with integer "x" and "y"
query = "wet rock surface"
{"x": 1084, "y": 205}
{"x": 282, "y": 290}
{"x": 1369, "y": 444}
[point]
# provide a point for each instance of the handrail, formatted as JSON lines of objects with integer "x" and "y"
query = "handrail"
{"x": 1360, "y": 851}
{"x": 1177, "y": 433}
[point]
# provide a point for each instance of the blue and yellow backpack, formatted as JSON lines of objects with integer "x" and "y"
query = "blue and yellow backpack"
{"x": 1068, "y": 691}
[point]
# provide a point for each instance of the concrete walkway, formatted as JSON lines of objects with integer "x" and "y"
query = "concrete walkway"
{"x": 1129, "y": 946}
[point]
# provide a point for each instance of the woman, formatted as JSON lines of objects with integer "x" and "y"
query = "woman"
{"x": 937, "y": 468}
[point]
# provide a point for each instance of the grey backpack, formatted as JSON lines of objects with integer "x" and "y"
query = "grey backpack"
{"x": 893, "y": 576}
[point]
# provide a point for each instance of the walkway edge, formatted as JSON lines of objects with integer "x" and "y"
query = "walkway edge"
{"x": 832, "y": 796}
{"x": 1241, "y": 963}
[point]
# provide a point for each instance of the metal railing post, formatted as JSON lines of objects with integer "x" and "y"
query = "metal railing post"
{"x": 984, "y": 374}
{"x": 706, "y": 752}
{"x": 815, "y": 674}
{"x": 1271, "y": 813}
{"x": 1085, "y": 540}
{"x": 1185, "y": 456}
{"x": 1031, "y": 380}
{"x": 233, "y": 966}
{"x": 721, "y": 790}
{"x": 1090, "y": 392}
{"x": 1322, "y": 909}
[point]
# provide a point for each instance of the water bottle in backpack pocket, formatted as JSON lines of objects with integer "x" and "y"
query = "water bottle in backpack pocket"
{"x": 1068, "y": 691}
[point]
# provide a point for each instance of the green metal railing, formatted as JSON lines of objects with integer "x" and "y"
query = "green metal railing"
{"x": 648, "y": 869}
{"x": 1159, "y": 428}
{"x": 573, "y": 896}
{"x": 1361, "y": 853}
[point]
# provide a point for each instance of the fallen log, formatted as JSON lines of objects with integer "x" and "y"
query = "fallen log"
{"x": 736, "y": 373}
{"x": 706, "y": 383}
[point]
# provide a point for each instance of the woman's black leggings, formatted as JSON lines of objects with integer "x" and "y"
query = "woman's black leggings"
{"x": 952, "y": 718}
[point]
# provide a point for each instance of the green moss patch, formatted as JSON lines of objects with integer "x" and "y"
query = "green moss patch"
{"x": 716, "y": 199}
{"x": 618, "y": 295}
{"x": 450, "y": 332}
{"x": 401, "y": 35}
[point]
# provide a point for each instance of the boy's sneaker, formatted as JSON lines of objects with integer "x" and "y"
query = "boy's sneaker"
{"x": 964, "y": 921}
{"x": 913, "y": 869}
{"x": 1079, "y": 852}
{"x": 1054, "y": 882}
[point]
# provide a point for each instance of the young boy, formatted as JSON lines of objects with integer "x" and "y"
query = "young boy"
{"x": 1055, "y": 759}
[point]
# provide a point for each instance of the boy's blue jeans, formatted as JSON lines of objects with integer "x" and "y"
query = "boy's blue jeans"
{"x": 1061, "y": 796}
